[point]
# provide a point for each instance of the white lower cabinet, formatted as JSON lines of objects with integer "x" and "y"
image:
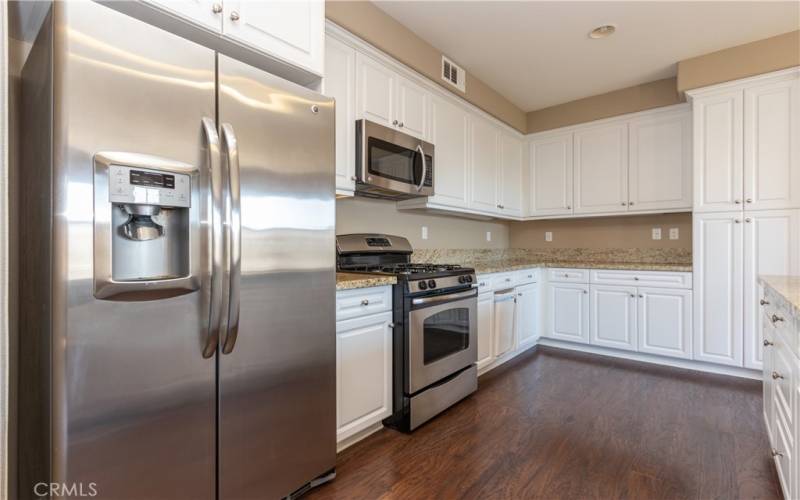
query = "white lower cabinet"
{"x": 528, "y": 321}
{"x": 485, "y": 328}
{"x": 664, "y": 322}
{"x": 613, "y": 316}
{"x": 568, "y": 311}
{"x": 504, "y": 316}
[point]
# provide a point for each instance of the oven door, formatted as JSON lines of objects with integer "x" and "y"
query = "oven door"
{"x": 394, "y": 161}
{"x": 442, "y": 337}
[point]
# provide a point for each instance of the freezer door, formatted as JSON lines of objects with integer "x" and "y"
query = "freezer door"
{"x": 133, "y": 398}
{"x": 277, "y": 378}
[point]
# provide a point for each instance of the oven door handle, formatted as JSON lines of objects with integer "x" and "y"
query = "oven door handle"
{"x": 424, "y": 167}
{"x": 445, "y": 298}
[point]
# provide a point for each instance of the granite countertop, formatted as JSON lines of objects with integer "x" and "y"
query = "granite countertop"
{"x": 504, "y": 265}
{"x": 348, "y": 281}
{"x": 787, "y": 287}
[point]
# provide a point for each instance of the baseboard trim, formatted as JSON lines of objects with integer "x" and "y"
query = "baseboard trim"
{"x": 358, "y": 436}
{"x": 687, "y": 364}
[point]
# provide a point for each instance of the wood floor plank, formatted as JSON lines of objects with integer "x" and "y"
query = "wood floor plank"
{"x": 555, "y": 424}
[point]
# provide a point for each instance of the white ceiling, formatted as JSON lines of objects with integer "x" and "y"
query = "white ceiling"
{"x": 538, "y": 54}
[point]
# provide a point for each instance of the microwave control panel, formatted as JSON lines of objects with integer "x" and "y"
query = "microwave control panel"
{"x": 148, "y": 187}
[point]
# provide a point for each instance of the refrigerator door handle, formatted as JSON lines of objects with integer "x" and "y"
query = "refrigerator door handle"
{"x": 217, "y": 239}
{"x": 235, "y": 237}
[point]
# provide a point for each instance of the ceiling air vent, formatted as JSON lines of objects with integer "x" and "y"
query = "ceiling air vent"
{"x": 453, "y": 74}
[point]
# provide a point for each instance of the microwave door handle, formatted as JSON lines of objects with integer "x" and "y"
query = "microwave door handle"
{"x": 424, "y": 167}
{"x": 217, "y": 239}
{"x": 235, "y": 235}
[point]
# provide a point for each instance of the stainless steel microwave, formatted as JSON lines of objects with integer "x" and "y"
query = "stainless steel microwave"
{"x": 391, "y": 164}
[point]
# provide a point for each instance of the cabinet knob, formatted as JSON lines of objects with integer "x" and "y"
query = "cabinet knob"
{"x": 737, "y": 201}
{"x": 390, "y": 325}
{"x": 234, "y": 16}
{"x": 736, "y": 221}
{"x": 394, "y": 122}
{"x": 530, "y": 276}
{"x": 352, "y": 177}
{"x": 365, "y": 302}
{"x": 400, "y": 124}
{"x": 586, "y": 291}
{"x": 216, "y": 8}
{"x": 749, "y": 200}
{"x": 776, "y": 376}
{"x": 508, "y": 279}
{"x": 569, "y": 207}
{"x": 623, "y": 203}
{"x": 633, "y": 296}
{"x": 776, "y": 453}
{"x": 519, "y": 294}
{"x": 767, "y": 343}
{"x": 763, "y": 302}
{"x": 775, "y": 318}
{"x": 747, "y": 219}
{"x": 630, "y": 203}
{"x": 641, "y": 296}
{"x": 636, "y": 278}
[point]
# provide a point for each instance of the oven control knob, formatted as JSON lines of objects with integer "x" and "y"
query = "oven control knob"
{"x": 422, "y": 285}
{"x": 469, "y": 279}
{"x": 431, "y": 284}
{"x": 462, "y": 279}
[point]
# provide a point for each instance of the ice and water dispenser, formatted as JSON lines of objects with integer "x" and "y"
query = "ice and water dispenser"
{"x": 145, "y": 227}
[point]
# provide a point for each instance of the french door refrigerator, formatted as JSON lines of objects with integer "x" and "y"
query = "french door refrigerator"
{"x": 177, "y": 268}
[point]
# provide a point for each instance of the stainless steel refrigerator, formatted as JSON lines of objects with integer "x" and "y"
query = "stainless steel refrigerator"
{"x": 177, "y": 268}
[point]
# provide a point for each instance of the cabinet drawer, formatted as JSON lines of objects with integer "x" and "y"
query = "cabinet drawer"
{"x": 363, "y": 301}
{"x": 568, "y": 275}
{"x": 658, "y": 279}
{"x": 484, "y": 282}
{"x": 502, "y": 281}
{"x": 783, "y": 391}
{"x": 527, "y": 276}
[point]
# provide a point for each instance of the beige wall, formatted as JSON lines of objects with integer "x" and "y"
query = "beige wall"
{"x": 762, "y": 56}
{"x": 361, "y": 215}
{"x": 619, "y": 102}
{"x": 632, "y": 231}
{"x": 370, "y": 23}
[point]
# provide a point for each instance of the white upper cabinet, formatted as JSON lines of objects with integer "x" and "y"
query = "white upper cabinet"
{"x": 202, "y": 12}
{"x": 660, "y": 168}
{"x": 718, "y": 172}
{"x": 601, "y": 169}
{"x": 484, "y": 157}
{"x": 412, "y": 108}
{"x": 772, "y": 145}
{"x": 449, "y": 135}
{"x": 613, "y": 316}
{"x": 375, "y": 91}
{"x": 339, "y": 83}
{"x": 292, "y": 30}
{"x": 509, "y": 192}
{"x": 771, "y": 246}
{"x": 718, "y": 282}
{"x": 551, "y": 176}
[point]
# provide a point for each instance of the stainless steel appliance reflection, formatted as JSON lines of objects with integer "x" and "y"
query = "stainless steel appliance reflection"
{"x": 179, "y": 292}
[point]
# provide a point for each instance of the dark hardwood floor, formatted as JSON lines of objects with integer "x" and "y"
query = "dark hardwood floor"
{"x": 558, "y": 424}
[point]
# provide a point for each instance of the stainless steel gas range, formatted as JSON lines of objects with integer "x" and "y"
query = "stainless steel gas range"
{"x": 435, "y": 326}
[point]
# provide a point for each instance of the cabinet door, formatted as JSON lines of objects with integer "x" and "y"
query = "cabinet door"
{"x": 363, "y": 373}
{"x": 772, "y": 145}
{"x": 198, "y": 11}
{"x": 485, "y": 328}
{"x": 568, "y": 312}
{"x": 718, "y": 278}
{"x": 717, "y": 146}
{"x": 412, "y": 108}
{"x": 510, "y": 181}
{"x": 375, "y": 91}
{"x": 339, "y": 83}
{"x": 664, "y": 322}
{"x": 449, "y": 134}
{"x": 771, "y": 240}
{"x": 601, "y": 169}
{"x": 292, "y": 30}
{"x": 612, "y": 316}
{"x": 484, "y": 156}
{"x": 528, "y": 314}
{"x": 551, "y": 176}
{"x": 660, "y": 173}
{"x": 504, "y": 313}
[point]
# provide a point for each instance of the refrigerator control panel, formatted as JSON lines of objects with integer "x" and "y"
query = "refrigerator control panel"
{"x": 148, "y": 187}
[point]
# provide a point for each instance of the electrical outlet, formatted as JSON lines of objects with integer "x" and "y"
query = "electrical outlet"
{"x": 424, "y": 232}
{"x": 488, "y": 236}
{"x": 673, "y": 233}
{"x": 548, "y": 236}
{"x": 656, "y": 233}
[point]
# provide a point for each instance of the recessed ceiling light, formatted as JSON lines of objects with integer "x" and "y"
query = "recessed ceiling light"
{"x": 603, "y": 31}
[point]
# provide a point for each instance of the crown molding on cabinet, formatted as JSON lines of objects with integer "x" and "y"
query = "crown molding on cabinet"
{"x": 787, "y": 74}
